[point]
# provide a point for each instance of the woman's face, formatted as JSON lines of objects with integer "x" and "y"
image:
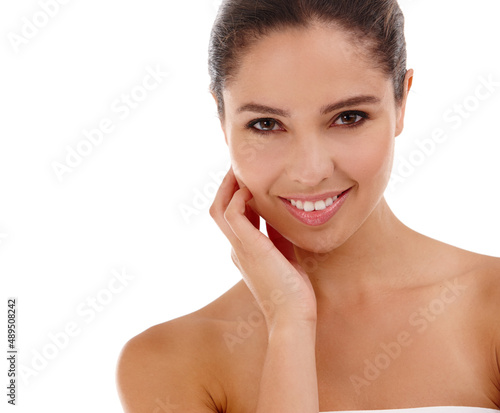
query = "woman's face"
{"x": 308, "y": 117}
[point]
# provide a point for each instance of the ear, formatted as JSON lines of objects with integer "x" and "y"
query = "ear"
{"x": 402, "y": 107}
{"x": 220, "y": 120}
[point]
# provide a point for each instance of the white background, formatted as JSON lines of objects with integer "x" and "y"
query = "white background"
{"x": 120, "y": 208}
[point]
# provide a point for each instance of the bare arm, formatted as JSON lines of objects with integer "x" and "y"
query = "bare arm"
{"x": 289, "y": 382}
{"x": 162, "y": 375}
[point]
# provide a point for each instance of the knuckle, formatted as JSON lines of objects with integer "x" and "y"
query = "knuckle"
{"x": 213, "y": 211}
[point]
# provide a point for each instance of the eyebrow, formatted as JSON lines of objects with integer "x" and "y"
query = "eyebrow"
{"x": 353, "y": 101}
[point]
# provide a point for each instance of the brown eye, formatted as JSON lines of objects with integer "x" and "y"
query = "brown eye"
{"x": 268, "y": 124}
{"x": 352, "y": 118}
{"x": 349, "y": 118}
{"x": 265, "y": 124}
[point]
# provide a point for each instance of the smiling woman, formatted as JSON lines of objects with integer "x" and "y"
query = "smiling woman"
{"x": 341, "y": 306}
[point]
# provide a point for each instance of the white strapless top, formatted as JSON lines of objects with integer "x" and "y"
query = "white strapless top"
{"x": 437, "y": 409}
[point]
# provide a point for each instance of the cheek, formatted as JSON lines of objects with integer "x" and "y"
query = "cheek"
{"x": 256, "y": 165}
{"x": 252, "y": 163}
{"x": 372, "y": 158}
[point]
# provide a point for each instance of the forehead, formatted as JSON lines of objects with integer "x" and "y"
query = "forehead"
{"x": 305, "y": 67}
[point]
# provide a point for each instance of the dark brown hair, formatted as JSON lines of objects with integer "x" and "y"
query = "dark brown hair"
{"x": 376, "y": 24}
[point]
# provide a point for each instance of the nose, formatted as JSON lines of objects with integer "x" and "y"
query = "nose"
{"x": 310, "y": 161}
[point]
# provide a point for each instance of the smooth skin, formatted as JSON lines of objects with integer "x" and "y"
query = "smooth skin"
{"x": 358, "y": 313}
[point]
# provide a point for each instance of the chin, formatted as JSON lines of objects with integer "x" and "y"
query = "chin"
{"x": 316, "y": 242}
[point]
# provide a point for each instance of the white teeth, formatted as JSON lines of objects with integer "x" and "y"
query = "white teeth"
{"x": 309, "y": 206}
{"x": 319, "y": 205}
{"x": 330, "y": 201}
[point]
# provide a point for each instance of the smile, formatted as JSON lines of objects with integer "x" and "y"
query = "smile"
{"x": 315, "y": 212}
{"x": 309, "y": 206}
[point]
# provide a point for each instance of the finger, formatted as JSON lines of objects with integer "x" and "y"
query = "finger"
{"x": 225, "y": 193}
{"x": 245, "y": 230}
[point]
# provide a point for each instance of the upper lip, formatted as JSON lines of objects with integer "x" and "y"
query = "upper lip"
{"x": 314, "y": 198}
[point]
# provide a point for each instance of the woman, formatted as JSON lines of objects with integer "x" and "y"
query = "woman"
{"x": 341, "y": 306}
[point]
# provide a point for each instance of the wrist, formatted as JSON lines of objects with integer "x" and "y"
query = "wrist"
{"x": 285, "y": 326}
{"x": 293, "y": 317}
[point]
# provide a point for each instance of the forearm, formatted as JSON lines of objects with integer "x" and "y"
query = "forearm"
{"x": 289, "y": 381}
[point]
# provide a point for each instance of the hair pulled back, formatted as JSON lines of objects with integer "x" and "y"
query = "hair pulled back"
{"x": 377, "y": 24}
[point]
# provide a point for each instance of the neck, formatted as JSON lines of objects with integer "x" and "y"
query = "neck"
{"x": 375, "y": 258}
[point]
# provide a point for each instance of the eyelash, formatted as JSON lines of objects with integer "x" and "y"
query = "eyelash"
{"x": 364, "y": 116}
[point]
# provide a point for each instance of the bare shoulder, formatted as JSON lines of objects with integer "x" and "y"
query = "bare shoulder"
{"x": 483, "y": 275}
{"x": 483, "y": 279}
{"x": 476, "y": 279}
{"x": 478, "y": 275}
{"x": 171, "y": 367}
{"x": 159, "y": 370}
{"x": 180, "y": 365}
{"x": 488, "y": 281}
{"x": 488, "y": 274}
{"x": 472, "y": 281}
